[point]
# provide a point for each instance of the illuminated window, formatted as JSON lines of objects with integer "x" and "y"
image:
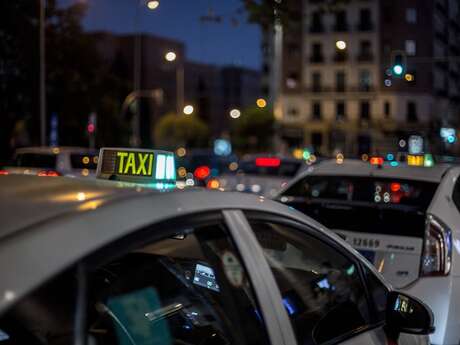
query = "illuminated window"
{"x": 411, "y": 15}
{"x": 411, "y": 47}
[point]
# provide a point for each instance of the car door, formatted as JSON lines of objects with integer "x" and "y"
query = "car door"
{"x": 180, "y": 282}
{"x": 323, "y": 288}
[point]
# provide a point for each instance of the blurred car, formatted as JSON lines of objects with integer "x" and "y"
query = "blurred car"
{"x": 131, "y": 261}
{"x": 202, "y": 165}
{"x": 54, "y": 161}
{"x": 404, "y": 219}
{"x": 260, "y": 174}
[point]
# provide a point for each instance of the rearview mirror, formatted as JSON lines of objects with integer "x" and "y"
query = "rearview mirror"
{"x": 407, "y": 314}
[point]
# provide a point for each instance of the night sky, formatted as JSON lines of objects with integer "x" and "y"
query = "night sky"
{"x": 179, "y": 19}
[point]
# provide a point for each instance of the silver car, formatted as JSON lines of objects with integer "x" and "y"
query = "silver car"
{"x": 111, "y": 262}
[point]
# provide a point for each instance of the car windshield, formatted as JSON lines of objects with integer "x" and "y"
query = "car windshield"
{"x": 84, "y": 161}
{"x": 365, "y": 204}
{"x": 36, "y": 160}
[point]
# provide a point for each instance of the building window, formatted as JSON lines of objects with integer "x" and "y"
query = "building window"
{"x": 365, "y": 20}
{"x": 387, "y": 109}
{"x": 316, "y": 52}
{"x": 316, "y": 81}
{"x": 340, "y": 112}
{"x": 316, "y": 22}
{"x": 340, "y": 21}
{"x": 365, "y": 110}
{"x": 340, "y": 81}
{"x": 292, "y": 80}
{"x": 411, "y": 47}
{"x": 293, "y": 112}
{"x": 316, "y": 111}
{"x": 365, "y": 51}
{"x": 387, "y": 14}
{"x": 365, "y": 81}
{"x": 412, "y": 112}
{"x": 411, "y": 15}
{"x": 317, "y": 140}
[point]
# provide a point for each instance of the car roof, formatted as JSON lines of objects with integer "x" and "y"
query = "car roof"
{"x": 52, "y": 150}
{"x": 354, "y": 167}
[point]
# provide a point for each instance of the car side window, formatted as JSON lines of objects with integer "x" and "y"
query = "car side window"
{"x": 456, "y": 194}
{"x": 191, "y": 288}
{"x": 44, "y": 317}
{"x": 378, "y": 294}
{"x": 321, "y": 289}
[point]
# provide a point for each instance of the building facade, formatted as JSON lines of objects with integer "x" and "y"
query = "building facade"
{"x": 339, "y": 92}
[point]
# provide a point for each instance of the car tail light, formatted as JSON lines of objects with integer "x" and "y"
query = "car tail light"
{"x": 202, "y": 172}
{"x": 376, "y": 161}
{"x": 48, "y": 173}
{"x": 268, "y": 162}
{"x": 437, "y": 249}
{"x": 4, "y": 172}
{"x": 213, "y": 184}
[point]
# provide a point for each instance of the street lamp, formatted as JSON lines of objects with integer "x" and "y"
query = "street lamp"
{"x": 180, "y": 87}
{"x": 341, "y": 45}
{"x": 235, "y": 113}
{"x": 188, "y": 109}
{"x": 153, "y": 4}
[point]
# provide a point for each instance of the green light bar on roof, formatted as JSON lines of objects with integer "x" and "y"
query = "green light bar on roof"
{"x": 137, "y": 166}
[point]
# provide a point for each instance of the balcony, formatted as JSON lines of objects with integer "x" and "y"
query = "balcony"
{"x": 316, "y": 28}
{"x": 365, "y": 26}
{"x": 365, "y": 57}
{"x": 340, "y": 27}
{"x": 317, "y": 58}
{"x": 340, "y": 57}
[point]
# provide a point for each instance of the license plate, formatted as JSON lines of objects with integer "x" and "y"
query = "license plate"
{"x": 368, "y": 254}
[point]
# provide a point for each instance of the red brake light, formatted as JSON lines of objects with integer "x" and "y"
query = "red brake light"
{"x": 4, "y": 172}
{"x": 437, "y": 249}
{"x": 376, "y": 161}
{"x": 268, "y": 162}
{"x": 395, "y": 187}
{"x": 48, "y": 173}
{"x": 202, "y": 172}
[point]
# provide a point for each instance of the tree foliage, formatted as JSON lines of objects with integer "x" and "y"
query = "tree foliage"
{"x": 173, "y": 131}
{"x": 253, "y": 131}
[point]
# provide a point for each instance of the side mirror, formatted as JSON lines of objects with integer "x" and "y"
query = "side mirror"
{"x": 406, "y": 314}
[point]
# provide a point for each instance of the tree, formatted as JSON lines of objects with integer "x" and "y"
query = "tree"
{"x": 185, "y": 130}
{"x": 253, "y": 131}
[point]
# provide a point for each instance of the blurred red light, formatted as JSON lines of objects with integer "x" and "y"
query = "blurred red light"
{"x": 213, "y": 184}
{"x": 4, "y": 172}
{"x": 268, "y": 162}
{"x": 202, "y": 172}
{"x": 376, "y": 161}
{"x": 91, "y": 128}
{"x": 51, "y": 173}
{"x": 395, "y": 187}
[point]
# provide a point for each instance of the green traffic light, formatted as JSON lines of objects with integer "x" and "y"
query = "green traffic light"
{"x": 398, "y": 69}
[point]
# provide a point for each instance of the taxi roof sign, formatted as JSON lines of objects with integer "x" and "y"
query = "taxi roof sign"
{"x": 136, "y": 165}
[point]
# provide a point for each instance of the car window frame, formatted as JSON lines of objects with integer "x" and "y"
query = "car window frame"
{"x": 157, "y": 231}
{"x": 328, "y": 241}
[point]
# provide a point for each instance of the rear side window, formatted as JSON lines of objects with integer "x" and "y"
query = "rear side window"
{"x": 363, "y": 204}
{"x": 36, "y": 160}
{"x": 84, "y": 161}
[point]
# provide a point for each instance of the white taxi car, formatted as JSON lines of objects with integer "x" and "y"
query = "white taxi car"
{"x": 127, "y": 259}
{"x": 54, "y": 161}
{"x": 404, "y": 219}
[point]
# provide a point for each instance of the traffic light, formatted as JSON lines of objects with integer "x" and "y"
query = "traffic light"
{"x": 398, "y": 64}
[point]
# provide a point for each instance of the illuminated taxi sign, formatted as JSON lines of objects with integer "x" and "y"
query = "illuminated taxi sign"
{"x": 415, "y": 160}
{"x": 136, "y": 165}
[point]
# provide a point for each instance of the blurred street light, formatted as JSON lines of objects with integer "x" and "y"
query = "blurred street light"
{"x": 341, "y": 45}
{"x": 153, "y": 4}
{"x": 170, "y": 56}
{"x": 188, "y": 109}
{"x": 235, "y": 113}
{"x": 261, "y": 103}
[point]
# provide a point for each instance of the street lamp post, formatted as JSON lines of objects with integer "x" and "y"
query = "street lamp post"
{"x": 137, "y": 66}
{"x": 180, "y": 83}
{"x": 42, "y": 91}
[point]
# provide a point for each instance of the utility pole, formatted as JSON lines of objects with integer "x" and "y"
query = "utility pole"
{"x": 42, "y": 95}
